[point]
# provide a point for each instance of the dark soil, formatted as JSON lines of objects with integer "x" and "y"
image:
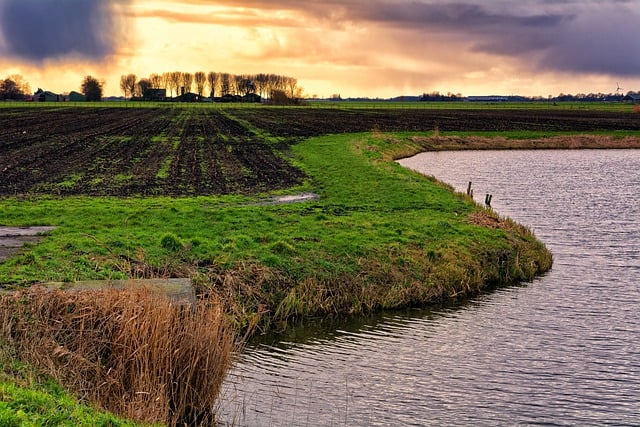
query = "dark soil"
{"x": 122, "y": 152}
{"x": 313, "y": 121}
{"x": 186, "y": 152}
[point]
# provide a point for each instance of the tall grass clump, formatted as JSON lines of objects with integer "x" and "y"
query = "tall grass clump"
{"x": 134, "y": 353}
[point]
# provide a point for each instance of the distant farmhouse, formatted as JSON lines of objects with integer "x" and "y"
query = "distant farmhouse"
{"x": 76, "y": 97}
{"x": 634, "y": 98}
{"x": 491, "y": 98}
{"x": 189, "y": 97}
{"x": 155, "y": 95}
{"x": 47, "y": 96}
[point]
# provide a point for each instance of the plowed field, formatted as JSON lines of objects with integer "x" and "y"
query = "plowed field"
{"x": 143, "y": 151}
{"x": 162, "y": 151}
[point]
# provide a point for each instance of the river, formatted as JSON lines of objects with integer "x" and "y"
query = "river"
{"x": 562, "y": 350}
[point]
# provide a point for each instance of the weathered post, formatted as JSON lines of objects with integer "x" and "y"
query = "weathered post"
{"x": 469, "y": 189}
{"x": 487, "y": 199}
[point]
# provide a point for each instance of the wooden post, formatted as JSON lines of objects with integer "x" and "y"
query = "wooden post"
{"x": 469, "y": 193}
{"x": 487, "y": 199}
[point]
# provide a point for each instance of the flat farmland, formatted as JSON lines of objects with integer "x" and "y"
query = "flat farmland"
{"x": 186, "y": 151}
{"x": 121, "y": 152}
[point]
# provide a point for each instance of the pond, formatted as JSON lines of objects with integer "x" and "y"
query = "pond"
{"x": 562, "y": 350}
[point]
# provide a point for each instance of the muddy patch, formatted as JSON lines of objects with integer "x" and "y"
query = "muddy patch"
{"x": 291, "y": 198}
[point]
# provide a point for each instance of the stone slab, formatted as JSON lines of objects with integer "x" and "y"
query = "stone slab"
{"x": 17, "y": 241}
{"x": 13, "y": 238}
{"x": 178, "y": 290}
{"x": 23, "y": 231}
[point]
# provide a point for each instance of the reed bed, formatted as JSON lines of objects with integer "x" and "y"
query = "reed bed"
{"x": 131, "y": 352}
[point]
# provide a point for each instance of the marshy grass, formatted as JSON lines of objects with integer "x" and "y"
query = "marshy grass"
{"x": 132, "y": 352}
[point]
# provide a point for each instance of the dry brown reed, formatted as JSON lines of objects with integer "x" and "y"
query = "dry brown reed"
{"x": 131, "y": 352}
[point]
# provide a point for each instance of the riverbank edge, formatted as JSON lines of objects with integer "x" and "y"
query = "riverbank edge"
{"x": 513, "y": 255}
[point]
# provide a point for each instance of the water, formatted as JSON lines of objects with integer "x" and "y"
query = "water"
{"x": 562, "y": 350}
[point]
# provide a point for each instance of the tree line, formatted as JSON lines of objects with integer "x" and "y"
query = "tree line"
{"x": 276, "y": 87}
{"x": 212, "y": 84}
{"x": 15, "y": 88}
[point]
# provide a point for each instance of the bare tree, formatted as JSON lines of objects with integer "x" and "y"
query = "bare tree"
{"x": 128, "y": 84}
{"x": 291, "y": 85}
{"x": 186, "y": 80}
{"x": 123, "y": 85}
{"x": 22, "y": 84}
{"x": 260, "y": 81}
{"x": 246, "y": 85}
{"x": 219, "y": 84}
{"x": 200, "y": 79}
{"x": 235, "y": 83}
{"x": 225, "y": 83}
{"x": 156, "y": 81}
{"x": 213, "y": 79}
{"x": 10, "y": 90}
{"x": 175, "y": 77}
{"x": 165, "y": 78}
{"x": 14, "y": 87}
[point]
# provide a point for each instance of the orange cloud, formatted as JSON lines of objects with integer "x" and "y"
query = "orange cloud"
{"x": 385, "y": 47}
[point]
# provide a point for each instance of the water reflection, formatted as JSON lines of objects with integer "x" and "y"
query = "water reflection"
{"x": 562, "y": 350}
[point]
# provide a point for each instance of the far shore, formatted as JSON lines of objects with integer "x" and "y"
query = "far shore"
{"x": 571, "y": 142}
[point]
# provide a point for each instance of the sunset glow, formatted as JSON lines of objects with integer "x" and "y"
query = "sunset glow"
{"x": 370, "y": 48}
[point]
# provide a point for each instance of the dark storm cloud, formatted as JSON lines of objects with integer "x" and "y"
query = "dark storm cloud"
{"x": 35, "y": 30}
{"x": 583, "y": 36}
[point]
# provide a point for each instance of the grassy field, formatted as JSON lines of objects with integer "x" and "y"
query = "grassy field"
{"x": 373, "y": 105}
{"x": 378, "y": 236}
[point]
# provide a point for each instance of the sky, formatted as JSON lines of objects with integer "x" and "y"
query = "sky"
{"x": 355, "y": 48}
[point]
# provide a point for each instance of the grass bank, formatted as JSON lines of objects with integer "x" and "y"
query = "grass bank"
{"x": 379, "y": 236}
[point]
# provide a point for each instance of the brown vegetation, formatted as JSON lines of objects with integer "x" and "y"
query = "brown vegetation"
{"x": 439, "y": 143}
{"x": 387, "y": 279}
{"x": 131, "y": 352}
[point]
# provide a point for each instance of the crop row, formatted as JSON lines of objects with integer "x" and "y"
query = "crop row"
{"x": 124, "y": 152}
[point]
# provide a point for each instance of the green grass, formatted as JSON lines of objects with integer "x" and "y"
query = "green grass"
{"x": 362, "y": 209}
{"x": 48, "y": 404}
{"x": 540, "y": 105}
{"x": 374, "y": 104}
